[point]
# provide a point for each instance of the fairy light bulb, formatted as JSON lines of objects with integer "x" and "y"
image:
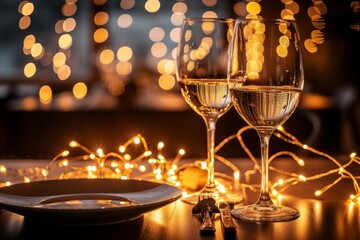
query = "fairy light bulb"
{"x": 2, "y": 169}
{"x": 160, "y": 145}
{"x": 100, "y": 152}
{"x": 73, "y": 144}
{"x": 301, "y": 162}
{"x": 318, "y": 193}
{"x": 182, "y": 152}
{"x": 122, "y": 149}
{"x": 65, "y": 153}
{"x": 137, "y": 140}
{"x": 302, "y": 178}
{"x": 237, "y": 175}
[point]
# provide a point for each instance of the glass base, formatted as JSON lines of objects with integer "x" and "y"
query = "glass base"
{"x": 273, "y": 213}
{"x": 230, "y": 197}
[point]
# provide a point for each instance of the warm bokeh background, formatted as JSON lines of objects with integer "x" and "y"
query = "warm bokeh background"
{"x": 102, "y": 71}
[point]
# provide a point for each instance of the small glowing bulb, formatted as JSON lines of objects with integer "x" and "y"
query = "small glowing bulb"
{"x": 127, "y": 165}
{"x": 184, "y": 193}
{"x": 181, "y": 152}
{"x": 174, "y": 166}
{"x": 122, "y": 149}
{"x": 136, "y": 140}
{"x": 142, "y": 168}
{"x": 65, "y": 153}
{"x": 8, "y": 183}
{"x": 117, "y": 170}
{"x": 2, "y": 168}
{"x": 281, "y": 182}
{"x": 123, "y": 177}
{"x": 301, "y": 162}
{"x": 302, "y": 178}
{"x": 318, "y": 193}
{"x": 100, "y": 152}
{"x": 274, "y": 192}
{"x": 92, "y": 156}
{"x": 114, "y": 164}
{"x": 305, "y": 146}
{"x": 44, "y": 172}
{"x": 203, "y": 165}
{"x": 127, "y": 157}
{"x": 352, "y": 155}
{"x": 73, "y": 144}
{"x": 65, "y": 162}
{"x": 280, "y": 128}
{"x": 171, "y": 172}
{"x": 147, "y": 153}
{"x": 26, "y": 179}
{"x": 160, "y": 145}
{"x": 358, "y": 199}
{"x": 341, "y": 170}
{"x": 158, "y": 176}
{"x": 352, "y": 197}
{"x": 237, "y": 175}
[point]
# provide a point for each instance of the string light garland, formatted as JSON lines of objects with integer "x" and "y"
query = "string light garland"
{"x": 156, "y": 167}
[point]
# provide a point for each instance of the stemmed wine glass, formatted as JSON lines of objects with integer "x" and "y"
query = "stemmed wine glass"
{"x": 202, "y": 76}
{"x": 265, "y": 77}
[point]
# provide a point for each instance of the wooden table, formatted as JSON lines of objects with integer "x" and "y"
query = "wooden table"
{"x": 327, "y": 217}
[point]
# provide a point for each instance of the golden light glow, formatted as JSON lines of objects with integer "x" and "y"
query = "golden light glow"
{"x": 45, "y": 94}
{"x": 152, "y": 6}
{"x": 65, "y": 41}
{"x": 180, "y": 7}
{"x": 69, "y": 24}
{"x": 27, "y": 9}
{"x": 69, "y": 9}
{"x": 167, "y": 81}
{"x": 101, "y": 35}
{"x": 80, "y": 90}
{"x": 37, "y": 50}
{"x": 64, "y": 72}
{"x": 253, "y": 8}
{"x": 29, "y": 70}
{"x": 209, "y": 14}
{"x": 124, "y": 54}
{"x": 106, "y": 56}
{"x": 101, "y": 18}
{"x": 175, "y": 34}
{"x": 24, "y": 22}
{"x": 59, "y": 59}
{"x": 123, "y": 68}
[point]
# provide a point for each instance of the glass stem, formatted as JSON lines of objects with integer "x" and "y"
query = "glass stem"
{"x": 211, "y": 126}
{"x": 264, "y": 198}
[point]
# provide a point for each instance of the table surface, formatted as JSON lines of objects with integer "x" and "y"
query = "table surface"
{"x": 330, "y": 216}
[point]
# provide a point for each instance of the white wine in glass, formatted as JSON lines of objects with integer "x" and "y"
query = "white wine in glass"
{"x": 202, "y": 76}
{"x": 266, "y": 78}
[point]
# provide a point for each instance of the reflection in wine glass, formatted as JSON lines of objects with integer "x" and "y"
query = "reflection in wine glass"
{"x": 265, "y": 76}
{"x": 202, "y": 76}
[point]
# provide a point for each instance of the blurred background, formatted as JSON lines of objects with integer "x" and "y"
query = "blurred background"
{"x": 102, "y": 71}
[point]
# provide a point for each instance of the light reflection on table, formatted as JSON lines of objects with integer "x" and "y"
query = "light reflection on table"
{"x": 328, "y": 217}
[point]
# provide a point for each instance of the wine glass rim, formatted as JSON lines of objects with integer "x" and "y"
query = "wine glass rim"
{"x": 208, "y": 19}
{"x": 279, "y": 20}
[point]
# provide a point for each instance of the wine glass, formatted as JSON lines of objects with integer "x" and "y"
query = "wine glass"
{"x": 202, "y": 76}
{"x": 265, "y": 77}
